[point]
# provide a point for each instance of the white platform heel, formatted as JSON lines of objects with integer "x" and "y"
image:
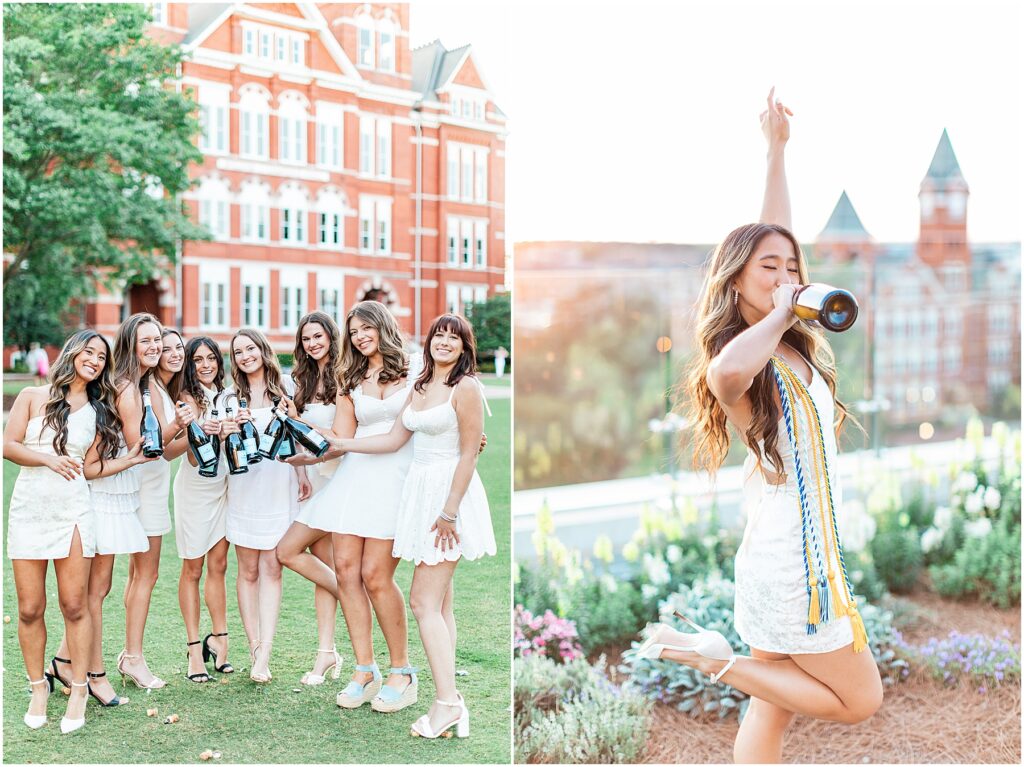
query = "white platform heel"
{"x": 709, "y": 644}
{"x": 35, "y": 721}
{"x": 70, "y": 725}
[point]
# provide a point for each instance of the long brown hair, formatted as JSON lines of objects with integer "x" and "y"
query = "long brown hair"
{"x": 126, "y": 361}
{"x": 271, "y": 367}
{"x": 352, "y": 366}
{"x": 100, "y": 391}
{"x": 466, "y": 365}
{"x": 718, "y": 322}
{"x": 190, "y": 383}
{"x": 306, "y": 372}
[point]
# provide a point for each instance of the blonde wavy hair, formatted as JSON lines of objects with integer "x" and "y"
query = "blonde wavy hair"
{"x": 718, "y": 322}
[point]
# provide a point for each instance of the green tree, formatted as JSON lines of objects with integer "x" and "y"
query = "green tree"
{"x": 492, "y": 324}
{"x": 97, "y": 144}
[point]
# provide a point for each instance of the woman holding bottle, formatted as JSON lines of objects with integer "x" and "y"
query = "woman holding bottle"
{"x": 262, "y": 500}
{"x": 200, "y": 509}
{"x": 773, "y": 377}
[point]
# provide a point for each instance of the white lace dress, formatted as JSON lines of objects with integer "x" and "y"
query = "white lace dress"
{"x": 155, "y": 476}
{"x": 264, "y": 501}
{"x": 435, "y": 455}
{"x": 771, "y": 585}
{"x": 46, "y": 508}
{"x": 363, "y": 496}
{"x": 201, "y": 503}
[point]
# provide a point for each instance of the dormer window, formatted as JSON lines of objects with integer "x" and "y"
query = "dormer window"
{"x": 387, "y": 46}
{"x": 365, "y": 41}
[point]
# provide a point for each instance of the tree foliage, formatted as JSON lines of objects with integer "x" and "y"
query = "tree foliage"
{"x": 492, "y": 324}
{"x": 97, "y": 144}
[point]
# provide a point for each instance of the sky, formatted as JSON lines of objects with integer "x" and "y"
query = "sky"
{"x": 638, "y": 121}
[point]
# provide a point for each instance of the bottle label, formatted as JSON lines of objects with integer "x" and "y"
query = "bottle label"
{"x": 241, "y": 458}
{"x": 206, "y": 454}
{"x": 266, "y": 442}
{"x": 250, "y": 445}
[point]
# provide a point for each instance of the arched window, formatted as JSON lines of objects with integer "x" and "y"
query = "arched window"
{"x": 294, "y": 207}
{"x": 292, "y": 115}
{"x": 214, "y": 198}
{"x": 254, "y": 202}
{"x": 254, "y": 122}
{"x": 364, "y": 40}
{"x": 331, "y": 207}
{"x": 386, "y": 59}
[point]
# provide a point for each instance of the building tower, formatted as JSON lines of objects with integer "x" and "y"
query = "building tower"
{"x": 844, "y": 238}
{"x": 942, "y": 243}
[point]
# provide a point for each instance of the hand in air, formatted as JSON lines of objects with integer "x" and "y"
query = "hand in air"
{"x": 775, "y": 121}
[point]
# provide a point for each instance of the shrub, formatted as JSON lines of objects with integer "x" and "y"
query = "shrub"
{"x": 546, "y": 635}
{"x": 977, "y": 658}
{"x": 710, "y": 604}
{"x": 896, "y": 553}
{"x": 572, "y": 713}
{"x": 986, "y": 566}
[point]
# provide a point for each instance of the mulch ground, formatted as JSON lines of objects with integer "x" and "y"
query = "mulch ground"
{"x": 920, "y": 722}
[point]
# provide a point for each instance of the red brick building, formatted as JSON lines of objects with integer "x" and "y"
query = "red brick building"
{"x": 339, "y": 165}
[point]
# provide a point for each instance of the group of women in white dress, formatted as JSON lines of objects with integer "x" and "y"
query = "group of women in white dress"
{"x": 343, "y": 521}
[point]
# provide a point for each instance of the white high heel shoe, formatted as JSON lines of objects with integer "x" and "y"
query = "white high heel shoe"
{"x": 35, "y": 721}
{"x": 70, "y": 725}
{"x": 709, "y": 644}
{"x": 314, "y": 679}
{"x": 421, "y": 727}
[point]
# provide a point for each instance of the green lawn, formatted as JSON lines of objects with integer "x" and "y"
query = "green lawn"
{"x": 16, "y": 385}
{"x": 282, "y": 722}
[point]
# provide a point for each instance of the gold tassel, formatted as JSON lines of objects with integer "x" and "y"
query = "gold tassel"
{"x": 814, "y": 615}
{"x": 838, "y": 608}
{"x": 860, "y": 634}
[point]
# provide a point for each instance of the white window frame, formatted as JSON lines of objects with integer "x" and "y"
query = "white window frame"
{"x": 365, "y": 54}
{"x": 375, "y": 225}
{"x": 255, "y": 297}
{"x": 386, "y": 55}
{"x": 292, "y": 119}
{"x": 293, "y": 285}
{"x": 330, "y": 136}
{"x": 254, "y": 125}
{"x": 214, "y": 296}
{"x": 375, "y": 147}
{"x": 467, "y": 172}
{"x": 214, "y": 117}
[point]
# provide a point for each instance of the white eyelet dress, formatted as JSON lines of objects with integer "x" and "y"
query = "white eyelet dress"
{"x": 155, "y": 476}
{"x": 201, "y": 503}
{"x": 321, "y": 418}
{"x": 435, "y": 455}
{"x": 771, "y": 586}
{"x": 263, "y": 502}
{"x": 46, "y": 508}
{"x": 363, "y": 496}
{"x": 115, "y": 505}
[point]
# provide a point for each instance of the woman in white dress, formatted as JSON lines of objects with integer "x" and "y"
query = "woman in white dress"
{"x": 443, "y": 513}
{"x": 49, "y": 432}
{"x": 262, "y": 502}
{"x": 305, "y": 549}
{"x": 757, "y": 361}
{"x": 359, "y": 506}
{"x": 154, "y": 507}
{"x": 200, "y": 511}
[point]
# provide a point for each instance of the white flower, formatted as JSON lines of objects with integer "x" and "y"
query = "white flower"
{"x": 648, "y": 591}
{"x": 930, "y": 538}
{"x": 610, "y": 584}
{"x": 656, "y": 570}
{"x": 673, "y": 553}
{"x": 992, "y": 499}
{"x": 858, "y": 526}
{"x": 943, "y": 518}
{"x": 978, "y": 528}
{"x": 966, "y": 482}
{"x": 973, "y": 504}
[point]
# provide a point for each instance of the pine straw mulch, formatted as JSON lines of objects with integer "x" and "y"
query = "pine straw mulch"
{"x": 920, "y": 721}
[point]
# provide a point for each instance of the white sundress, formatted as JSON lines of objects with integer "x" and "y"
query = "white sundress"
{"x": 46, "y": 508}
{"x": 771, "y": 586}
{"x": 429, "y": 481}
{"x": 155, "y": 476}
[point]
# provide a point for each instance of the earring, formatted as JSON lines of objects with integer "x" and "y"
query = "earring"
{"x": 735, "y": 297}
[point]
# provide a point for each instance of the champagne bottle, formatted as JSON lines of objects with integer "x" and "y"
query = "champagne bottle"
{"x": 211, "y": 471}
{"x": 307, "y": 436}
{"x": 834, "y": 309}
{"x": 287, "y": 447}
{"x": 201, "y": 444}
{"x": 149, "y": 428}
{"x": 250, "y": 437}
{"x": 270, "y": 442}
{"x": 238, "y": 460}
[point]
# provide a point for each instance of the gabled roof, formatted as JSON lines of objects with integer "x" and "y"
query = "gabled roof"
{"x": 944, "y": 165}
{"x": 434, "y": 67}
{"x": 200, "y": 16}
{"x": 844, "y": 222}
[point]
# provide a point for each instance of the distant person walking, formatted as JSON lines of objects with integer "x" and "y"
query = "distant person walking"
{"x": 38, "y": 362}
{"x": 499, "y": 361}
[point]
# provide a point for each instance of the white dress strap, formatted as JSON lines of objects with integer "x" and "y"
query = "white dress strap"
{"x": 483, "y": 396}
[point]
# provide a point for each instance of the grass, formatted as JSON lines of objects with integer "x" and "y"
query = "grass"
{"x": 15, "y": 386}
{"x": 282, "y": 722}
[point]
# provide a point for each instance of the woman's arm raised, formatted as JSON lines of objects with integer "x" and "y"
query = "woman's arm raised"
{"x": 775, "y": 207}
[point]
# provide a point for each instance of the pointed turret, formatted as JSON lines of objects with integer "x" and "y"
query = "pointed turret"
{"x": 943, "y": 196}
{"x": 844, "y": 237}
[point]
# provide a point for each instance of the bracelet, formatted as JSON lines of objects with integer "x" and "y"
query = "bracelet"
{"x": 446, "y": 518}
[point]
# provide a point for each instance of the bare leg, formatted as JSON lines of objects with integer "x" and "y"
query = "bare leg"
{"x": 188, "y": 601}
{"x": 448, "y": 613}
{"x": 378, "y": 576}
{"x": 291, "y": 552}
{"x": 269, "y": 606}
{"x": 215, "y": 593}
{"x": 355, "y": 605}
{"x": 759, "y": 740}
{"x": 248, "y": 587}
{"x": 30, "y": 585}
{"x": 145, "y": 567}
{"x": 839, "y": 686}
{"x": 429, "y": 586}
{"x": 100, "y": 578}
{"x": 326, "y": 603}
{"x": 72, "y": 593}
